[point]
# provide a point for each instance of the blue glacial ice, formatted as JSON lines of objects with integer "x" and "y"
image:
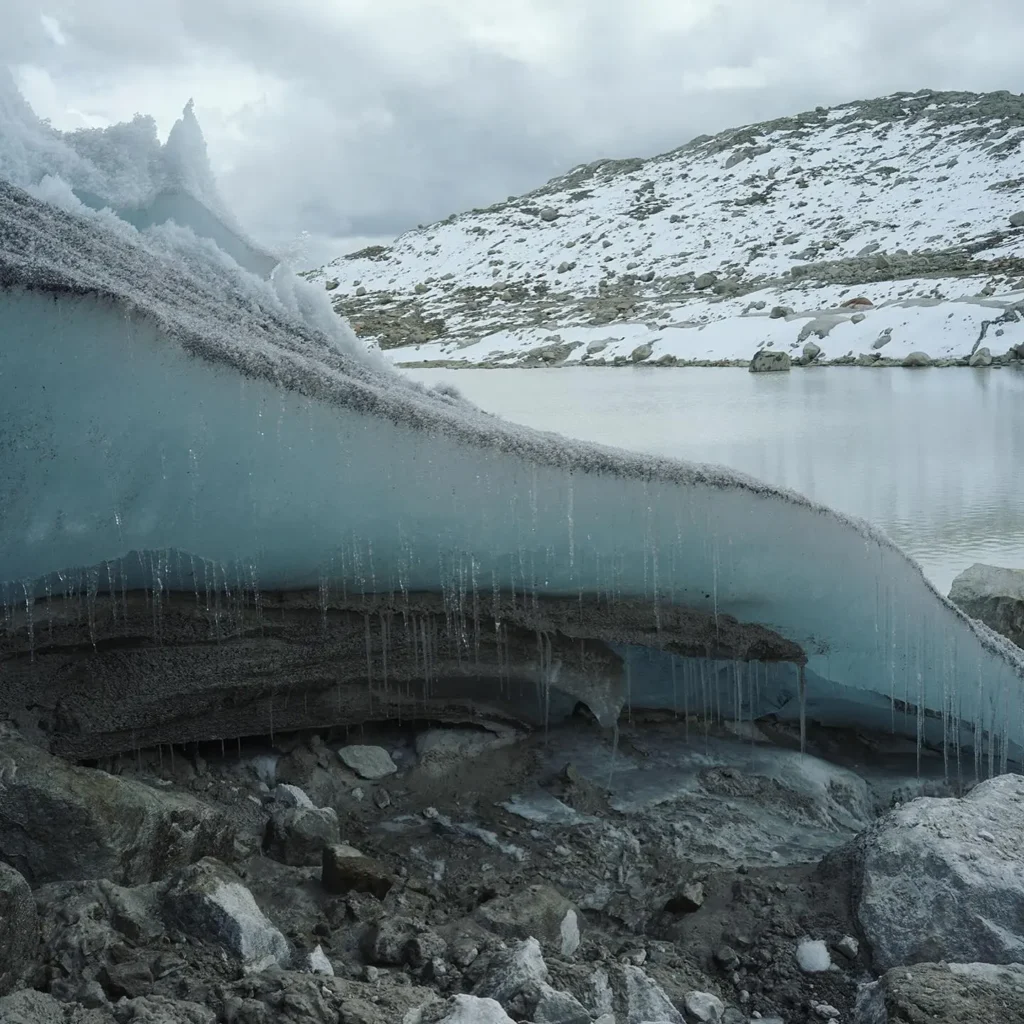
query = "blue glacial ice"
{"x": 174, "y": 412}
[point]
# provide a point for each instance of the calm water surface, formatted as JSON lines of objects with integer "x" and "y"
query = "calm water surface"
{"x": 933, "y": 457}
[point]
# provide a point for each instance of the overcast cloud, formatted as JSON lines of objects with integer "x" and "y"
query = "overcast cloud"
{"x": 365, "y": 117}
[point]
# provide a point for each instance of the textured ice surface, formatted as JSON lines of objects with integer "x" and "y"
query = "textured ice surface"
{"x": 174, "y": 422}
{"x": 124, "y": 168}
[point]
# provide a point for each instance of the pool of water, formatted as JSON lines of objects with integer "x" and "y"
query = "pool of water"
{"x": 934, "y": 457}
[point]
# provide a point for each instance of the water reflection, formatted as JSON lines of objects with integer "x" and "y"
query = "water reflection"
{"x": 933, "y": 457}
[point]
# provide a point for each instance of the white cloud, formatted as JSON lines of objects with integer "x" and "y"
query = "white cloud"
{"x": 367, "y": 116}
{"x": 51, "y": 26}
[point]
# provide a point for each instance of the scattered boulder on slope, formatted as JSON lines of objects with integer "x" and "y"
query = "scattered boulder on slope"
{"x": 982, "y": 357}
{"x": 346, "y": 869}
{"x": 537, "y": 911}
{"x": 19, "y": 928}
{"x": 811, "y": 352}
{"x": 993, "y": 595}
{"x": 640, "y": 353}
{"x": 944, "y": 994}
{"x": 1017, "y": 220}
{"x": 942, "y": 879}
{"x": 779, "y": 312}
{"x": 367, "y": 762}
{"x": 298, "y": 835}
{"x": 208, "y": 901}
{"x": 59, "y": 822}
{"x": 766, "y": 361}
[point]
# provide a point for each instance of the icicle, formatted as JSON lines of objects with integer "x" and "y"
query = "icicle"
{"x": 29, "y": 623}
{"x": 803, "y": 709}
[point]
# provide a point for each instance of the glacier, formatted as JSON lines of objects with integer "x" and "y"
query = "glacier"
{"x": 221, "y": 514}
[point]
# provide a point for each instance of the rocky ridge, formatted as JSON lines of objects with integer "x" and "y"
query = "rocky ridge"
{"x": 880, "y": 232}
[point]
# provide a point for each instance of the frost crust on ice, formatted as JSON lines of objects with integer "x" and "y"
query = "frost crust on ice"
{"x": 166, "y": 412}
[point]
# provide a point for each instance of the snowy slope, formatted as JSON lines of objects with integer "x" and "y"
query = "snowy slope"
{"x": 905, "y": 201}
{"x": 175, "y": 423}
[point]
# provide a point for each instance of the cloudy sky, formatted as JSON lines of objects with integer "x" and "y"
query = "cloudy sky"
{"x": 357, "y": 119}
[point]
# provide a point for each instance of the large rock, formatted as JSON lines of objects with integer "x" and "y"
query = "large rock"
{"x": 298, "y": 835}
{"x": 87, "y": 926}
{"x": 208, "y": 901}
{"x": 982, "y": 357}
{"x": 441, "y": 750}
{"x": 31, "y": 1007}
{"x": 517, "y": 973}
{"x": 463, "y": 1009}
{"x": 368, "y": 762}
{"x": 59, "y": 822}
{"x": 345, "y": 869}
{"x": 538, "y": 911}
{"x": 19, "y": 928}
{"x": 766, "y": 361}
{"x": 942, "y": 879}
{"x": 944, "y": 994}
{"x": 993, "y": 595}
{"x": 917, "y": 359}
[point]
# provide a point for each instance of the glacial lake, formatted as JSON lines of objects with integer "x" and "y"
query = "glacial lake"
{"x": 934, "y": 457}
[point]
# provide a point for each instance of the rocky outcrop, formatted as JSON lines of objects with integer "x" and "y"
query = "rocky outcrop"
{"x": 19, "y": 928}
{"x": 942, "y": 879}
{"x": 59, "y": 822}
{"x": 993, "y": 595}
{"x": 944, "y": 994}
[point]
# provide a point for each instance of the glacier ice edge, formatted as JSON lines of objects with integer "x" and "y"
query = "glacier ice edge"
{"x": 159, "y": 406}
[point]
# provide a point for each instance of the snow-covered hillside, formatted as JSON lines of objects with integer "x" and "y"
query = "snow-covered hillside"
{"x": 757, "y": 237}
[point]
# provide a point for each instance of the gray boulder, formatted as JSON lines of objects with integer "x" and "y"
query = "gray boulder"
{"x": 292, "y": 796}
{"x": 944, "y": 994}
{"x": 917, "y": 359}
{"x": 993, "y": 595}
{"x": 519, "y": 972}
{"x": 767, "y": 361}
{"x": 208, "y": 902}
{"x": 368, "y": 762}
{"x": 440, "y": 750}
{"x": 778, "y": 312}
{"x": 982, "y": 357}
{"x": 640, "y": 353}
{"x": 640, "y": 998}
{"x": 537, "y": 911}
{"x": 942, "y": 879}
{"x": 704, "y": 1006}
{"x": 549, "y": 213}
{"x": 705, "y": 281}
{"x": 464, "y": 1009}
{"x": 1017, "y": 220}
{"x": 298, "y": 835}
{"x": 883, "y": 339}
{"x": 31, "y": 1007}
{"x": 811, "y": 352}
{"x": 59, "y": 822}
{"x": 345, "y": 869}
{"x": 19, "y": 928}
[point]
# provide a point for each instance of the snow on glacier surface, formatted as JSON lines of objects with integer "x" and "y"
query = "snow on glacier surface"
{"x": 170, "y": 418}
{"x": 126, "y": 169}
